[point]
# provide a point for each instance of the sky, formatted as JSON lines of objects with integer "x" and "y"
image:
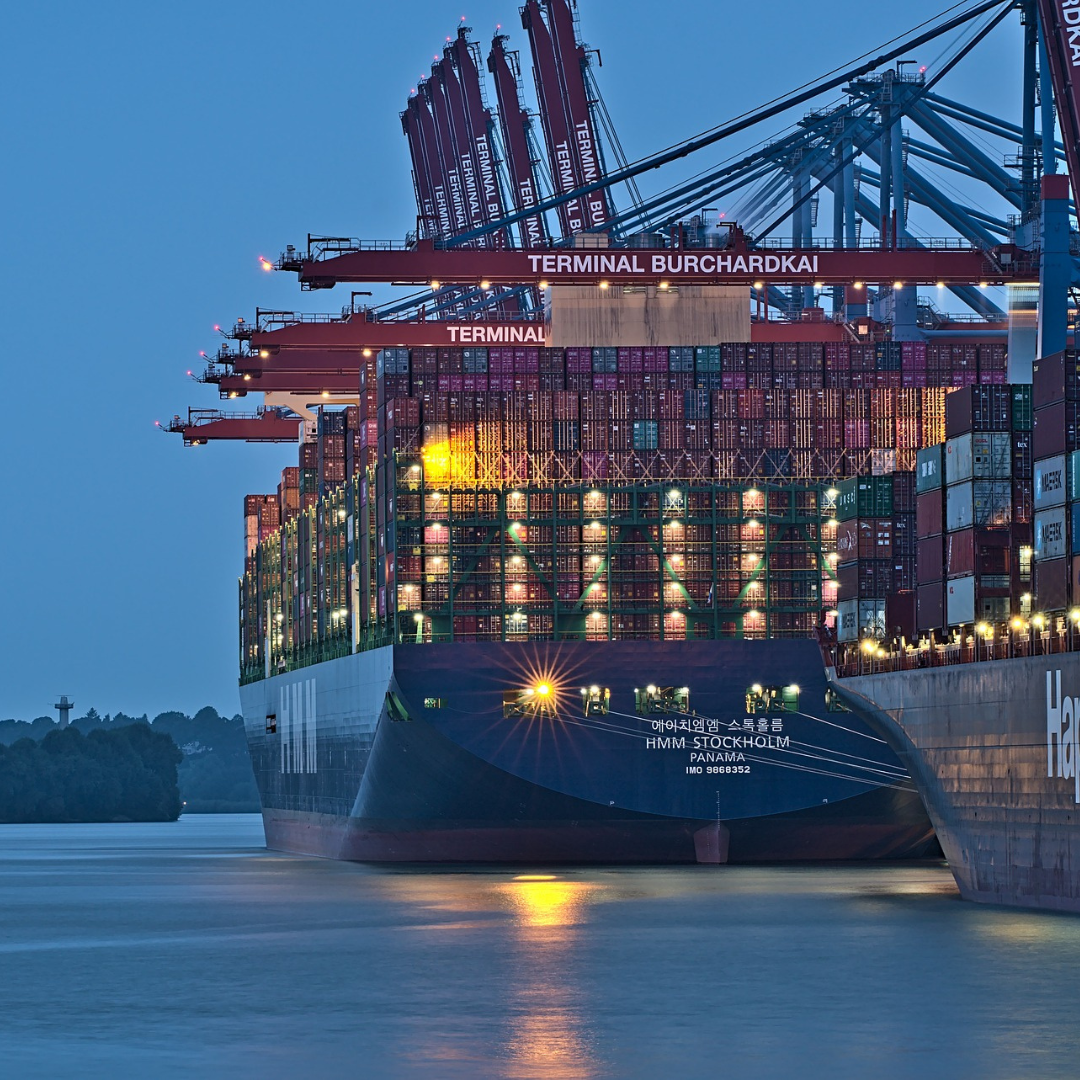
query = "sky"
{"x": 152, "y": 153}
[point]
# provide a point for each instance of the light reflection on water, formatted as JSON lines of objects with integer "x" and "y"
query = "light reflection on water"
{"x": 189, "y": 950}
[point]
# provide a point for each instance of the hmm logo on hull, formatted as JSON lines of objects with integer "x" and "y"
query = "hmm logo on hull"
{"x": 1062, "y": 733}
{"x": 296, "y": 724}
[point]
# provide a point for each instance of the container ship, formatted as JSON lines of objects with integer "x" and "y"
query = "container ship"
{"x": 639, "y": 537}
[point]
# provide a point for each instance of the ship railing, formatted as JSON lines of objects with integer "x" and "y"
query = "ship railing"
{"x": 1012, "y": 640}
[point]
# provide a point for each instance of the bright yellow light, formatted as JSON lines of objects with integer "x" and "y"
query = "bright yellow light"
{"x": 544, "y": 690}
{"x": 247, "y": 378}
{"x": 536, "y": 877}
{"x": 485, "y": 284}
{"x": 752, "y": 614}
{"x": 897, "y": 285}
{"x": 756, "y": 688}
{"x": 650, "y": 689}
{"x": 435, "y": 286}
{"x": 264, "y": 354}
{"x": 543, "y": 284}
{"x": 266, "y": 264}
{"x": 982, "y": 284}
{"x": 1017, "y": 623}
{"x": 1038, "y": 620}
{"x": 794, "y": 688}
{"x": 857, "y": 285}
{"x": 759, "y": 285}
{"x": 367, "y": 352}
{"x": 869, "y": 645}
{"x": 941, "y": 284}
{"x": 832, "y": 492}
{"x": 663, "y": 286}
{"x": 326, "y": 393}
{"x": 604, "y": 285}
{"x": 1075, "y": 614}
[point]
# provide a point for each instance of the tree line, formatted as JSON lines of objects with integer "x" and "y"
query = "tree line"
{"x": 213, "y": 773}
{"x": 127, "y": 774}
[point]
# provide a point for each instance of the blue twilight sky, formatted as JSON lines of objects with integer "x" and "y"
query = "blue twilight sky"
{"x": 151, "y": 153}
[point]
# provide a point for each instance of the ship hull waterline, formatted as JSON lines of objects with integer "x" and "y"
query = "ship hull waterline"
{"x": 404, "y": 754}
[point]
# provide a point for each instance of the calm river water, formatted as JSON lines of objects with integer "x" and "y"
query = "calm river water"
{"x": 189, "y": 950}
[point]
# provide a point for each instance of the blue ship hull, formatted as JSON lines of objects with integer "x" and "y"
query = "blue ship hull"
{"x": 491, "y": 752}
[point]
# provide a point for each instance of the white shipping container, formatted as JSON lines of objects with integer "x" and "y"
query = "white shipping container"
{"x": 960, "y": 600}
{"x": 847, "y": 620}
{"x": 959, "y": 506}
{"x": 856, "y": 619}
{"x": 992, "y": 502}
{"x": 991, "y": 455}
{"x": 958, "y": 459}
{"x": 1050, "y": 482}
{"x": 1050, "y": 534}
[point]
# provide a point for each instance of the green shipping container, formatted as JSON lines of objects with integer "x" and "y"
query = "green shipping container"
{"x": 646, "y": 434}
{"x": 1021, "y": 407}
{"x": 930, "y": 468}
{"x": 864, "y": 497}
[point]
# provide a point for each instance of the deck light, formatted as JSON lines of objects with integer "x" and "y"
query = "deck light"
{"x": 1017, "y": 623}
{"x": 756, "y": 688}
{"x": 869, "y": 645}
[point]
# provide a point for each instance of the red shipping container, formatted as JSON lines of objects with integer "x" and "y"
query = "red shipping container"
{"x": 930, "y": 513}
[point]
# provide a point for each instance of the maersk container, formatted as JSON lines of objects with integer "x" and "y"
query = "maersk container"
{"x": 1050, "y": 538}
{"x": 1074, "y": 475}
{"x": 1049, "y": 482}
{"x": 856, "y": 619}
{"x": 960, "y": 600}
{"x": 929, "y": 466}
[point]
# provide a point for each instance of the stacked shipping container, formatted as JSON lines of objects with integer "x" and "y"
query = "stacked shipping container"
{"x": 664, "y": 493}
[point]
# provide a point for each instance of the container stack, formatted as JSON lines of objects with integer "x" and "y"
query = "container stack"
{"x": 974, "y": 511}
{"x": 262, "y": 518}
{"x": 930, "y": 540}
{"x": 875, "y": 550}
{"x": 609, "y": 493}
{"x": 1055, "y": 438}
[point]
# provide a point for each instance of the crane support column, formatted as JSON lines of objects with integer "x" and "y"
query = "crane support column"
{"x": 906, "y": 300}
{"x": 1055, "y": 271}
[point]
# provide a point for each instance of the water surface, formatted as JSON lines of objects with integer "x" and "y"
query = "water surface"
{"x": 187, "y": 949}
